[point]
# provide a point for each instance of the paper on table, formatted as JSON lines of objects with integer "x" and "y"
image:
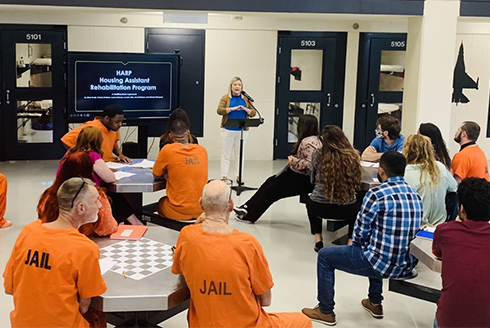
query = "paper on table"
{"x": 145, "y": 164}
{"x": 367, "y": 164}
{"x": 115, "y": 165}
{"x": 106, "y": 264}
{"x": 120, "y": 175}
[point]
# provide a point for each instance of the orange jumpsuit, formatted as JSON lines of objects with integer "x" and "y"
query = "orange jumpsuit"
{"x": 3, "y": 199}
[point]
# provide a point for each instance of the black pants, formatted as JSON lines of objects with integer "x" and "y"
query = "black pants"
{"x": 317, "y": 211}
{"x": 286, "y": 184}
{"x": 121, "y": 210}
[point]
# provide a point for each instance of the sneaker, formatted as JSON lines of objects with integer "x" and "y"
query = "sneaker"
{"x": 316, "y": 315}
{"x": 241, "y": 210}
{"x": 240, "y": 218}
{"x": 376, "y": 310}
{"x": 318, "y": 246}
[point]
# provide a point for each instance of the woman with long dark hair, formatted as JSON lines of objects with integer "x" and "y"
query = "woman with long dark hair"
{"x": 440, "y": 150}
{"x": 294, "y": 180}
{"x": 336, "y": 174}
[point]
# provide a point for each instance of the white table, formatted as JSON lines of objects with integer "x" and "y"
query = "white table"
{"x": 145, "y": 302}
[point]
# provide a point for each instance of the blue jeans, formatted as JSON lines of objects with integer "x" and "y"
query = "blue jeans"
{"x": 350, "y": 259}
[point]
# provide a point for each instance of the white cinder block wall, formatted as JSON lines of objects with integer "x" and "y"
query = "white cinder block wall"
{"x": 101, "y": 30}
{"x": 476, "y": 41}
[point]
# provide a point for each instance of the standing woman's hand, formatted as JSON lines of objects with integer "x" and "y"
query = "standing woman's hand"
{"x": 247, "y": 110}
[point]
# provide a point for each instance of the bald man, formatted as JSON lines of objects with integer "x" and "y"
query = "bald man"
{"x": 3, "y": 202}
{"x": 226, "y": 270}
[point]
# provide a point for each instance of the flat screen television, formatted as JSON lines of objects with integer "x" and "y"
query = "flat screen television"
{"x": 145, "y": 86}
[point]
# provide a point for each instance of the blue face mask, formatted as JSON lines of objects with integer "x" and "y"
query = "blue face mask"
{"x": 379, "y": 133}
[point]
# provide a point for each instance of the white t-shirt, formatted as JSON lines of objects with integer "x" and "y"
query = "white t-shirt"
{"x": 433, "y": 198}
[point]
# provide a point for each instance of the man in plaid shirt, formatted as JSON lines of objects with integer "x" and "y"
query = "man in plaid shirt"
{"x": 389, "y": 219}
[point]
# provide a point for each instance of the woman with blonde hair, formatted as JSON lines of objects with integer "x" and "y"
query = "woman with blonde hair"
{"x": 336, "y": 176}
{"x": 429, "y": 177}
{"x": 233, "y": 106}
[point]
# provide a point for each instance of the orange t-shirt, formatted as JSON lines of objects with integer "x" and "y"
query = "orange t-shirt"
{"x": 187, "y": 170}
{"x": 109, "y": 138}
{"x": 223, "y": 273}
{"x": 48, "y": 270}
{"x": 471, "y": 162}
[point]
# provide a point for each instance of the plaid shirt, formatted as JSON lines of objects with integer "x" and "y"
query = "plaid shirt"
{"x": 389, "y": 219}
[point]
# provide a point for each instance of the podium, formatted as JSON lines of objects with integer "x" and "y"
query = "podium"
{"x": 242, "y": 124}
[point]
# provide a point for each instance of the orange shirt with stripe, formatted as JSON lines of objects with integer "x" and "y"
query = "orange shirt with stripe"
{"x": 109, "y": 138}
{"x": 47, "y": 279}
{"x": 470, "y": 162}
{"x": 187, "y": 171}
{"x": 3, "y": 198}
{"x": 224, "y": 273}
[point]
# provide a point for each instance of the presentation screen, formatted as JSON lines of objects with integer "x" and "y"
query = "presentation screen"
{"x": 145, "y": 86}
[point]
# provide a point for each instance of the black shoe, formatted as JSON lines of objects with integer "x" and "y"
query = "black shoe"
{"x": 240, "y": 210}
{"x": 318, "y": 246}
{"x": 240, "y": 218}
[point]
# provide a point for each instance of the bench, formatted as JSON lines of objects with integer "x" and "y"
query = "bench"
{"x": 150, "y": 214}
{"x": 332, "y": 224}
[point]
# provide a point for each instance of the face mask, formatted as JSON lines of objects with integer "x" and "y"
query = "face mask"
{"x": 379, "y": 133}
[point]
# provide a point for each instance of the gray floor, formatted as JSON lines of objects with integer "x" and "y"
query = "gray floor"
{"x": 283, "y": 232}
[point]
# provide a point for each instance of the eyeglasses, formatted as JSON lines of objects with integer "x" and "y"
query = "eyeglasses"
{"x": 228, "y": 182}
{"x": 78, "y": 192}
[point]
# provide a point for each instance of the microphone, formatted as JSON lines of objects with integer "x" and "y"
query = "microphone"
{"x": 247, "y": 96}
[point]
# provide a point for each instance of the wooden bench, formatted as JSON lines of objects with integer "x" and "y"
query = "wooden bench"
{"x": 150, "y": 214}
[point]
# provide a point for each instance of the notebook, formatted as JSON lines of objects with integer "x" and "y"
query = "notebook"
{"x": 426, "y": 233}
{"x": 129, "y": 232}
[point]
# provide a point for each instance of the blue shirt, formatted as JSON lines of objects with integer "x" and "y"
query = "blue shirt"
{"x": 389, "y": 219}
{"x": 237, "y": 101}
{"x": 382, "y": 147}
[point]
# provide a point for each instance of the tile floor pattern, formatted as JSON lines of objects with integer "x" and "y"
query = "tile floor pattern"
{"x": 283, "y": 232}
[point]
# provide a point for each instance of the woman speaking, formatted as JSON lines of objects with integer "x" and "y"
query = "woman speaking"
{"x": 233, "y": 106}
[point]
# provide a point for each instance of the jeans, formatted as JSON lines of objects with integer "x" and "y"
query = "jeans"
{"x": 350, "y": 259}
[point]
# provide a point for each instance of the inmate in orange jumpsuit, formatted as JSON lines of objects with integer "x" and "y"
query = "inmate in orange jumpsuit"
{"x": 3, "y": 202}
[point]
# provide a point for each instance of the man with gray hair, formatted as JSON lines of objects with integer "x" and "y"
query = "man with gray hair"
{"x": 226, "y": 270}
{"x": 53, "y": 271}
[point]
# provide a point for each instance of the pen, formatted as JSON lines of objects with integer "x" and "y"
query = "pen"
{"x": 124, "y": 274}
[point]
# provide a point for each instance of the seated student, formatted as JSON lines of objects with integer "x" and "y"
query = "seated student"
{"x": 90, "y": 140}
{"x": 336, "y": 174}
{"x": 4, "y": 223}
{"x": 53, "y": 271}
{"x": 441, "y": 153}
{"x": 177, "y": 114}
{"x": 463, "y": 246}
{"x": 388, "y": 138}
{"x": 294, "y": 180}
{"x": 109, "y": 124}
{"x": 77, "y": 165}
{"x": 185, "y": 166}
{"x": 471, "y": 161}
{"x": 226, "y": 270}
{"x": 429, "y": 177}
{"x": 389, "y": 219}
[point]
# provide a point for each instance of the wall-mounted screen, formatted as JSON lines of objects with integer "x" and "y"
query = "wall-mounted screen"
{"x": 145, "y": 86}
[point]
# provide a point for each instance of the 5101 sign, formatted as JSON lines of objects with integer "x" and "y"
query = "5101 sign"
{"x": 33, "y": 37}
